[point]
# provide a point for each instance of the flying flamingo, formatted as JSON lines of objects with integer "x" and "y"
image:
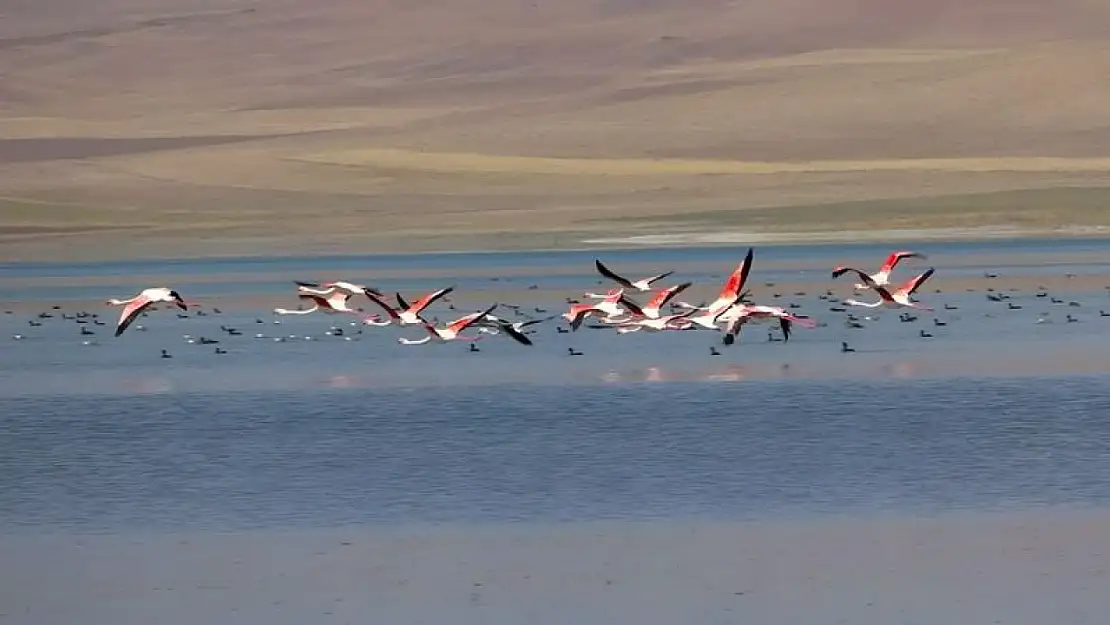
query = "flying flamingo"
{"x": 678, "y": 321}
{"x": 731, "y": 292}
{"x": 640, "y": 285}
{"x": 408, "y": 315}
{"x": 610, "y": 307}
{"x": 900, "y": 298}
{"x": 660, "y": 299}
{"x": 740, "y": 314}
{"x": 496, "y": 325}
{"x": 450, "y": 332}
{"x": 882, "y": 277}
{"x": 136, "y": 305}
{"x": 335, "y": 302}
{"x": 324, "y": 288}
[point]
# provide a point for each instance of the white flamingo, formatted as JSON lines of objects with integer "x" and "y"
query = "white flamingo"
{"x": 450, "y": 332}
{"x": 882, "y": 277}
{"x": 899, "y": 298}
{"x": 736, "y": 316}
{"x": 324, "y": 288}
{"x": 610, "y": 307}
{"x": 136, "y": 305}
{"x": 643, "y": 284}
{"x": 731, "y": 292}
{"x": 408, "y": 315}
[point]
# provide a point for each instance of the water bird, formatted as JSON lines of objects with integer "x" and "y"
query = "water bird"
{"x": 451, "y": 332}
{"x": 135, "y": 306}
{"x": 882, "y": 276}
{"x": 326, "y": 288}
{"x": 643, "y": 284}
{"x": 844, "y": 347}
{"x": 572, "y": 352}
{"x": 900, "y": 298}
{"x": 407, "y": 314}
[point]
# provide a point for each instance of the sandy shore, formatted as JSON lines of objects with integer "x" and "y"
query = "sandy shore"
{"x": 1017, "y": 568}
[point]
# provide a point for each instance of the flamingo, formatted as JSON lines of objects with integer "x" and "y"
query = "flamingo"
{"x": 136, "y": 305}
{"x": 656, "y": 324}
{"x": 496, "y": 325}
{"x": 731, "y": 292}
{"x": 324, "y": 288}
{"x": 640, "y": 285}
{"x": 335, "y": 302}
{"x": 660, "y": 299}
{"x": 449, "y": 332}
{"x": 610, "y": 307}
{"x": 738, "y": 315}
{"x": 408, "y": 315}
{"x": 900, "y": 298}
{"x": 882, "y": 277}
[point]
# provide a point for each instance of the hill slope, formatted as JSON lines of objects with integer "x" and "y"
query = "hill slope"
{"x": 250, "y": 123}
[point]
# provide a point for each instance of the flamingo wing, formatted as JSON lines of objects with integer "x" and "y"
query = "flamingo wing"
{"x": 735, "y": 283}
{"x": 131, "y": 312}
{"x": 658, "y": 277}
{"x": 515, "y": 334}
{"x": 384, "y": 305}
{"x": 665, "y": 295}
{"x": 608, "y": 273}
{"x": 578, "y": 315}
{"x": 422, "y": 303}
{"x": 914, "y": 283}
{"x": 463, "y": 323}
{"x": 632, "y": 306}
{"x": 866, "y": 279}
{"x": 896, "y": 257}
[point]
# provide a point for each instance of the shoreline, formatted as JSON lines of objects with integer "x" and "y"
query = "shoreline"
{"x": 633, "y": 243}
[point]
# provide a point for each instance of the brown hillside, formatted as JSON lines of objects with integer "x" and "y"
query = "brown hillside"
{"x": 247, "y": 122}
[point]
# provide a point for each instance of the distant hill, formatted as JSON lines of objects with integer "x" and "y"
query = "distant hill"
{"x": 257, "y": 118}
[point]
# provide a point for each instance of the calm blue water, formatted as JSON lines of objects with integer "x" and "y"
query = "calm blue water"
{"x": 753, "y": 450}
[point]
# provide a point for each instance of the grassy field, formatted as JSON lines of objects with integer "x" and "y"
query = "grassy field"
{"x": 345, "y": 125}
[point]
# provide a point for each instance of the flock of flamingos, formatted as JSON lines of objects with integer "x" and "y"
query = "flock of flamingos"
{"x": 615, "y": 309}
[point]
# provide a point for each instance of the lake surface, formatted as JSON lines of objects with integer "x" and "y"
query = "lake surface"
{"x": 113, "y": 458}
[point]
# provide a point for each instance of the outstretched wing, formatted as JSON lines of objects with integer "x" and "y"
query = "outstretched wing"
{"x": 658, "y": 277}
{"x": 508, "y": 328}
{"x": 463, "y": 323}
{"x": 896, "y": 257}
{"x": 419, "y": 305}
{"x": 739, "y": 277}
{"x": 866, "y": 279}
{"x": 131, "y": 312}
{"x": 665, "y": 295}
{"x": 605, "y": 271}
{"x": 914, "y": 283}
{"x": 384, "y": 305}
